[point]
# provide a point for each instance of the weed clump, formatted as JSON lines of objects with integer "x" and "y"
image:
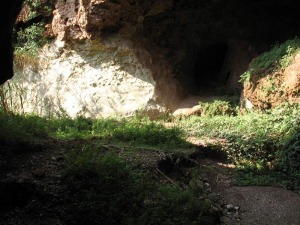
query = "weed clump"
{"x": 218, "y": 108}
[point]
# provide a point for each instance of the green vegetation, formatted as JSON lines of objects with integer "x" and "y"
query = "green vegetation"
{"x": 279, "y": 57}
{"x": 252, "y": 136}
{"x": 259, "y": 143}
{"x": 105, "y": 190}
{"x": 101, "y": 174}
{"x": 37, "y": 7}
{"x": 108, "y": 183}
{"x": 264, "y": 144}
{"x": 132, "y": 132}
{"x": 30, "y": 38}
{"x": 227, "y": 106}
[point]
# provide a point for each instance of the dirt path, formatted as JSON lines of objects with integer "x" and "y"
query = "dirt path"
{"x": 251, "y": 205}
{"x": 262, "y": 206}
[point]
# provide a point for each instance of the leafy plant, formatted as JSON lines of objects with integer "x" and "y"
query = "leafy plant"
{"x": 133, "y": 132}
{"x": 44, "y": 7}
{"x": 18, "y": 128}
{"x": 245, "y": 77}
{"x": 30, "y": 40}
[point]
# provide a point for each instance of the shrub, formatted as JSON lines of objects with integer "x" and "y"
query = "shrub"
{"x": 16, "y": 127}
{"x": 30, "y": 39}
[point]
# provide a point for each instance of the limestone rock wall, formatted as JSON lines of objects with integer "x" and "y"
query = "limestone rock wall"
{"x": 89, "y": 79}
{"x": 98, "y": 64}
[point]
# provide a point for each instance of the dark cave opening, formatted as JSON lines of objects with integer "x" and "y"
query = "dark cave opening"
{"x": 208, "y": 65}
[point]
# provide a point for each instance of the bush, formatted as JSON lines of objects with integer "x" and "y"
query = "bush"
{"x": 30, "y": 40}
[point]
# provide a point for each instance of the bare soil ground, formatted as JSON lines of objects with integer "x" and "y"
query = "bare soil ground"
{"x": 263, "y": 206}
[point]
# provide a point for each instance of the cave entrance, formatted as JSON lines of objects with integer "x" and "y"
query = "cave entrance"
{"x": 208, "y": 65}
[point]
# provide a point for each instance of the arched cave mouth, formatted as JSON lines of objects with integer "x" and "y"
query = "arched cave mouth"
{"x": 207, "y": 71}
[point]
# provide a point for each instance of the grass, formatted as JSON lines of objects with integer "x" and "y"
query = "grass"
{"x": 263, "y": 145}
{"x": 256, "y": 142}
{"x": 258, "y": 137}
{"x": 132, "y": 132}
{"x": 103, "y": 189}
{"x": 266, "y": 177}
{"x": 253, "y": 136}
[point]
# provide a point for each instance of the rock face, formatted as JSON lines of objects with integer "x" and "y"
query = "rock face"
{"x": 133, "y": 54}
{"x": 91, "y": 79}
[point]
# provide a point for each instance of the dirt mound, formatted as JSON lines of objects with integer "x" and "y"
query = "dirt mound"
{"x": 278, "y": 87}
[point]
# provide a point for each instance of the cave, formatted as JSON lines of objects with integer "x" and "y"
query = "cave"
{"x": 152, "y": 55}
{"x": 207, "y": 67}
